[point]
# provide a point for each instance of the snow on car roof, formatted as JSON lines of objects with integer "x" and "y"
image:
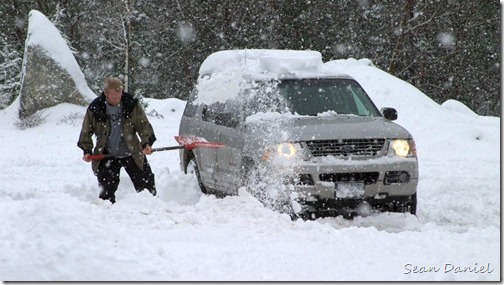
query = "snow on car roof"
{"x": 221, "y": 73}
{"x": 263, "y": 61}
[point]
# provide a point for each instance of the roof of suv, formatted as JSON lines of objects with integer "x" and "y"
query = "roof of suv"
{"x": 264, "y": 63}
{"x": 221, "y": 74}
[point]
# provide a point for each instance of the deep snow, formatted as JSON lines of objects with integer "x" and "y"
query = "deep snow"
{"x": 54, "y": 228}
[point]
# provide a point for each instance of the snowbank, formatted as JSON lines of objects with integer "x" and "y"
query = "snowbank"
{"x": 54, "y": 228}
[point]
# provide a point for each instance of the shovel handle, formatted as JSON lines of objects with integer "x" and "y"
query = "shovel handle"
{"x": 98, "y": 156}
{"x": 188, "y": 143}
{"x": 168, "y": 148}
{"x": 102, "y": 156}
{"x": 190, "y": 146}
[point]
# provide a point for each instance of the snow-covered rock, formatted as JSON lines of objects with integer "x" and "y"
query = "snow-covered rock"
{"x": 50, "y": 73}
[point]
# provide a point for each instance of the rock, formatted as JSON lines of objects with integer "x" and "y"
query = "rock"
{"x": 45, "y": 84}
{"x": 51, "y": 74}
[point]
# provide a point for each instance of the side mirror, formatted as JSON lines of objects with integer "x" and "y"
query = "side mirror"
{"x": 389, "y": 113}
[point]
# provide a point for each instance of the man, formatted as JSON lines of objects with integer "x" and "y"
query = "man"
{"x": 122, "y": 129}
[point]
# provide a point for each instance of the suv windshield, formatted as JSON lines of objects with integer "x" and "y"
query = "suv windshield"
{"x": 306, "y": 97}
{"x": 314, "y": 96}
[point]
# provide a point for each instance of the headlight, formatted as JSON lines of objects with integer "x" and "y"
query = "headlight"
{"x": 403, "y": 148}
{"x": 283, "y": 150}
{"x": 286, "y": 150}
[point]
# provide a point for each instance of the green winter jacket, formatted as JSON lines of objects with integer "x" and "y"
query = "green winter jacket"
{"x": 137, "y": 131}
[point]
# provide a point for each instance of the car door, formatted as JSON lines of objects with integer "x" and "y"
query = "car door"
{"x": 229, "y": 157}
{"x": 194, "y": 123}
{"x": 208, "y": 157}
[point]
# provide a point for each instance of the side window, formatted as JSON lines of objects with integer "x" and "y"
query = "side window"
{"x": 220, "y": 114}
{"x": 211, "y": 112}
{"x": 190, "y": 108}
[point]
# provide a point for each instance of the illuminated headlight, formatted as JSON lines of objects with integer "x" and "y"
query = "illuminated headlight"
{"x": 286, "y": 150}
{"x": 403, "y": 148}
{"x": 283, "y": 150}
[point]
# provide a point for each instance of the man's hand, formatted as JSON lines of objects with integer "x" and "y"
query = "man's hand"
{"x": 147, "y": 150}
{"x": 86, "y": 157}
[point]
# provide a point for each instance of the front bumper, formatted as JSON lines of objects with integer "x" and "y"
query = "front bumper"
{"x": 352, "y": 207}
{"x": 378, "y": 176}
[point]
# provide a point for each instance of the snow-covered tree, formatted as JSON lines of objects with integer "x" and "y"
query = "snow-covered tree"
{"x": 448, "y": 49}
{"x": 10, "y": 73}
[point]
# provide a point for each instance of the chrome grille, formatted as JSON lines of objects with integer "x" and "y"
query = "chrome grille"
{"x": 367, "y": 177}
{"x": 346, "y": 147}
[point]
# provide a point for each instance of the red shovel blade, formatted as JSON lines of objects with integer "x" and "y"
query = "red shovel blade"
{"x": 184, "y": 140}
{"x": 191, "y": 142}
{"x": 194, "y": 145}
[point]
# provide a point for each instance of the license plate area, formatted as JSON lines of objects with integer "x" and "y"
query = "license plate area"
{"x": 349, "y": 189}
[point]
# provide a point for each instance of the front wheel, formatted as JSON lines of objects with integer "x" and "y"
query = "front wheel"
{"x": 409, "y": 207}
{"x": 192, "y": 168}
{"x": 413, "y": 204}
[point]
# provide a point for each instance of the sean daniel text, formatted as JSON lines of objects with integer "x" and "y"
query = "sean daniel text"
{"x": 448, "y": 268}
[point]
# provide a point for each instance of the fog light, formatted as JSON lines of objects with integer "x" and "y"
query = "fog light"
{"x": 403, "y": 177}
{"x": 364, "y": 209}
{"x": 392, "y": 177}
{"x": 305, "y": 179}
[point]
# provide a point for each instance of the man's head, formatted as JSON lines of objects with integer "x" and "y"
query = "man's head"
{"x": 113, "y": 90}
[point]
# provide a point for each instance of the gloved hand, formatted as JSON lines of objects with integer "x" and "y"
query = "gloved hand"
{"x": 86, "y": 157}
{"x": 147, "y": 150}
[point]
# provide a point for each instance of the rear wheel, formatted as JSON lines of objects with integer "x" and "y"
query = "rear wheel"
{"x": 192, "y": 168}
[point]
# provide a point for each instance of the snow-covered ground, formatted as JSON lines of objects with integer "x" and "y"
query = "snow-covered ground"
{"x": 53, "y": 226}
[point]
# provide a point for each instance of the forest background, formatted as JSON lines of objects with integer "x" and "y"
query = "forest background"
{"x": 448, "y": 49}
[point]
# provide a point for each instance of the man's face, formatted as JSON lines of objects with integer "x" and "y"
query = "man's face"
{"x": 113, "y": 97}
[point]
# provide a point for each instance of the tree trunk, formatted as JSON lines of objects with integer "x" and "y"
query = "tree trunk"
{"x": 404, "y": 35}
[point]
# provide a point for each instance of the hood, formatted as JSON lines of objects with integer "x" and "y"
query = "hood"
{"x": 334, "y": 127}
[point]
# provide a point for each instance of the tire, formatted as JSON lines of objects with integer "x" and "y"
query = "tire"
{"x": 413, "y": 204}
{"x": 192, "y": 168}
{"x": 409, "y": 207}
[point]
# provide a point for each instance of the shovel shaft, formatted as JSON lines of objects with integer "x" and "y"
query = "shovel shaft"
{"x": 188, "y": 143}
{"x": 168, "y": 148}
{"x": 102, "y": 156}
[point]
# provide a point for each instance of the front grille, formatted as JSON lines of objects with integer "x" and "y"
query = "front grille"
{"x": 367, "y": 177}
{"x": 346, "y": 147}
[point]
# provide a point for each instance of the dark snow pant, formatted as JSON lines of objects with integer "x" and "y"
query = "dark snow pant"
{"x": 108, "y": 176}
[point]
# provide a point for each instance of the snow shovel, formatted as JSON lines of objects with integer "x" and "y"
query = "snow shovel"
{"x": 188, "y": 143}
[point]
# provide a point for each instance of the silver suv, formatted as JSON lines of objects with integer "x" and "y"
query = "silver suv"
{"x": 307, "y": 142}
